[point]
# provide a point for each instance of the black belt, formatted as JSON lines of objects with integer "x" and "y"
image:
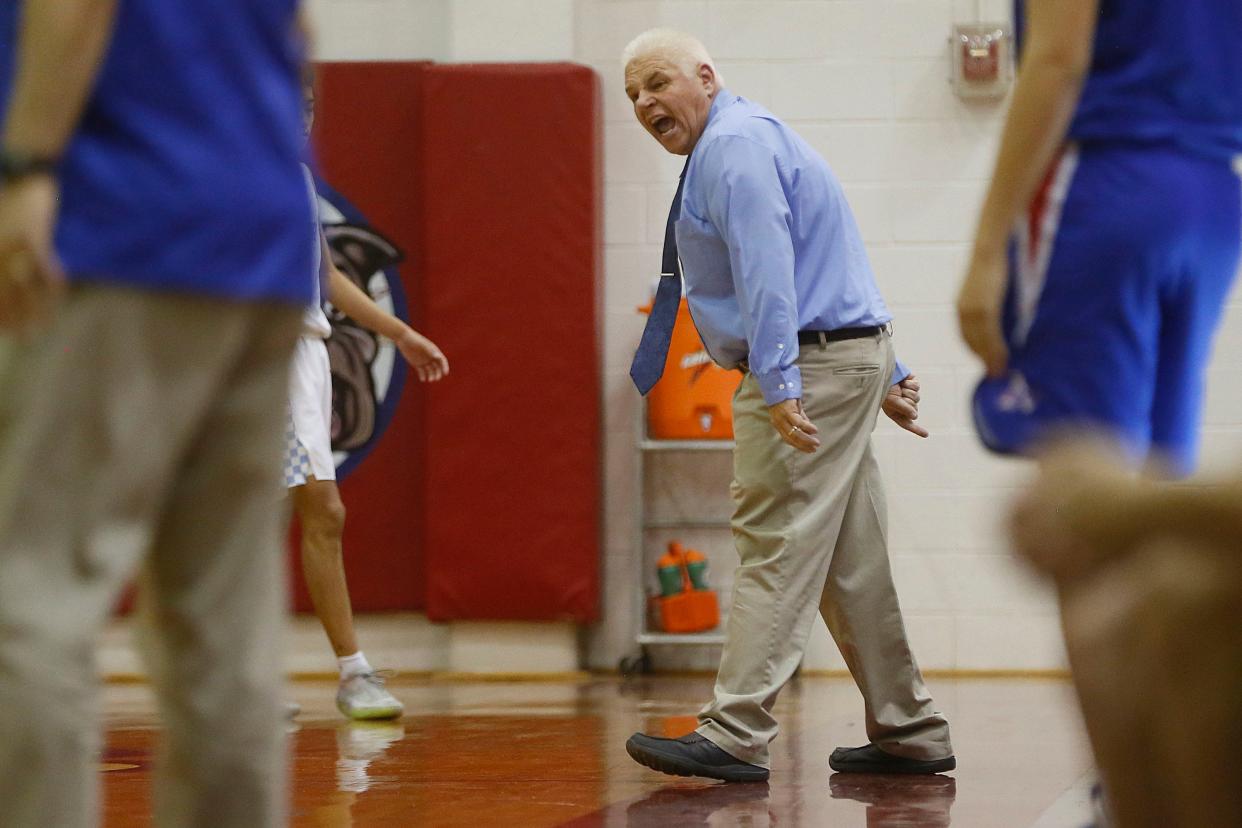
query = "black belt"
{"x": 839, "y": 335}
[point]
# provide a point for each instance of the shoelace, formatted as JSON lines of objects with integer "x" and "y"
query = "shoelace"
{"x": 378, "y": 677}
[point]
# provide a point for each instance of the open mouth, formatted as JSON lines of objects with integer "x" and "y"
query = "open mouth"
{"x": 663, "y": 125}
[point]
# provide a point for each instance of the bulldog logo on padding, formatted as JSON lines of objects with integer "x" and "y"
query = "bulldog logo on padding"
{"x": 367, "y": 373}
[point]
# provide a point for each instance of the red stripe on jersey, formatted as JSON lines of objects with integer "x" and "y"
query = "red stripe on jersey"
{"x": 1039, "y": 208}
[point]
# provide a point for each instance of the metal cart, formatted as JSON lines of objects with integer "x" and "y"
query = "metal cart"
{"x": 643, "y": 526}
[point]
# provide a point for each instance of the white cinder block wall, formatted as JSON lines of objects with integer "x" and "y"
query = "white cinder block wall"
{"x": 865, "y": 82}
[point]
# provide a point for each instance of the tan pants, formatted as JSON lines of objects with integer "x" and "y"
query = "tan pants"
{"x": 810, "y": 533}
{"x": 144, "y": 430}
{"x": 1155, "y": 640}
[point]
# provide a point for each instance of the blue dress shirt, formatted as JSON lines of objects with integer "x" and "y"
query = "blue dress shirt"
{"x": 769, "y": 247}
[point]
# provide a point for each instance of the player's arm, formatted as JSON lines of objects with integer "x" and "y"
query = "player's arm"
{"x": 350, "y": 300}
{"x": 60, "y": 46}
{"x": 420, "y": 352}
{"x": 1055, "y": 61}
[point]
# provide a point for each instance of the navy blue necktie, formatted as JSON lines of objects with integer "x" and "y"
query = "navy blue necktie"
{"x": 649, "y": 359}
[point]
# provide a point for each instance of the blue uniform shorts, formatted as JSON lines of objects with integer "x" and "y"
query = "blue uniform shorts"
{"x": 1118, "y": 279}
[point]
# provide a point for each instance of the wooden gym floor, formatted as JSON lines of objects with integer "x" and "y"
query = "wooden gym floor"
{"x": 552, "y": 754}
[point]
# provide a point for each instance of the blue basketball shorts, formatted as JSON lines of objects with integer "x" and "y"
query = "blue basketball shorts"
{"x": 1118, "y": 279}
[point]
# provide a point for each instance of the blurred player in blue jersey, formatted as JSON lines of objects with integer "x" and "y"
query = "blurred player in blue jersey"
{"x": 1109, "y": 239}
{"x": 1106, "y": 248}
{"x": 156, "y": 252}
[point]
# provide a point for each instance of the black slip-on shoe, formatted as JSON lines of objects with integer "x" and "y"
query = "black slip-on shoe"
{"x": 870, "y": 759}
{"x": 691, "y": 755}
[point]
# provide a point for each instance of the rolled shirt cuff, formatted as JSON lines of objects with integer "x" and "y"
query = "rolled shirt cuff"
{"x": 780, "y": 384}
{"x": 900, "y": 372}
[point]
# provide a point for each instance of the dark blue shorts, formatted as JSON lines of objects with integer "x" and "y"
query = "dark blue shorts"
{"x": 1118, "y": 278}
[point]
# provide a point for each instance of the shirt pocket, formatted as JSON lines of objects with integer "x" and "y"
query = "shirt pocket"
{"x": 856, "y": 370}
{"x": 860, "y": 375}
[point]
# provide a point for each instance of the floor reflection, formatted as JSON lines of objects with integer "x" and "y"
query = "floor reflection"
{"x": 895, "y": 801}
{"x": 711, "y": 805}
{"x": 358, "y": 744}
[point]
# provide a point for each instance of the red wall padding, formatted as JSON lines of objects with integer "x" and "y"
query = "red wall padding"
{"x": 367, "y": 128}
{"x": 481, "y": 499}
{"x": 510, "y": 162}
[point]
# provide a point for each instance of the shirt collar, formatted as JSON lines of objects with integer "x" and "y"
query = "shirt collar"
{"x": 724, "y": 98}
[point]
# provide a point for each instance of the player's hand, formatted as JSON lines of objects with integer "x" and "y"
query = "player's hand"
{"x": 979, "y": 304}
{"x": 901, "y": 404}
{"x": 423, "y": 356}
{"x": 791, "y": 422}
{"x": 31, "y": 279}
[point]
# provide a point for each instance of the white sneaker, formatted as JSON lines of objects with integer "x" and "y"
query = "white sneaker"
{"x": 364, "y": 697}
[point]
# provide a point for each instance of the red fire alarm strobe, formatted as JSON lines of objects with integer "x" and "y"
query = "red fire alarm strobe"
{"x": 982, "y": 61}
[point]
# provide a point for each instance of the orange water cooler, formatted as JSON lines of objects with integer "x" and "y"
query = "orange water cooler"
{"x": 693, "y": 399}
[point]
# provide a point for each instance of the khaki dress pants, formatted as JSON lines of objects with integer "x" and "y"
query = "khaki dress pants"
{"x": 143, "y": 432}
{"x": 810, "y": 531}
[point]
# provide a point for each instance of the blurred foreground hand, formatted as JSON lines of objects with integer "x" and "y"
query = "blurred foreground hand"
{"x": 31, "y": 279}
{"x": 1062, "y": 524}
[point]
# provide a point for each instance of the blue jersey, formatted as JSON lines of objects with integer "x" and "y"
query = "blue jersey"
{"x": 184, "y": 173}
{"x": 1119, "y": 274}
{"x": 1164, "y": 72}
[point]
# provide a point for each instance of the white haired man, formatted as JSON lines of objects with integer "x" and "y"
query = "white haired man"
{"x": 779, "y": 285}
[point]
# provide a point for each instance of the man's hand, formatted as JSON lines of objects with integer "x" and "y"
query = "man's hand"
{"x": 979, "y": 307}
{"x": 791, "y": 422}
{"x": 901, "y": 404}
{"x": 31, "y": 279}
{"x": 423, "y": 356}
